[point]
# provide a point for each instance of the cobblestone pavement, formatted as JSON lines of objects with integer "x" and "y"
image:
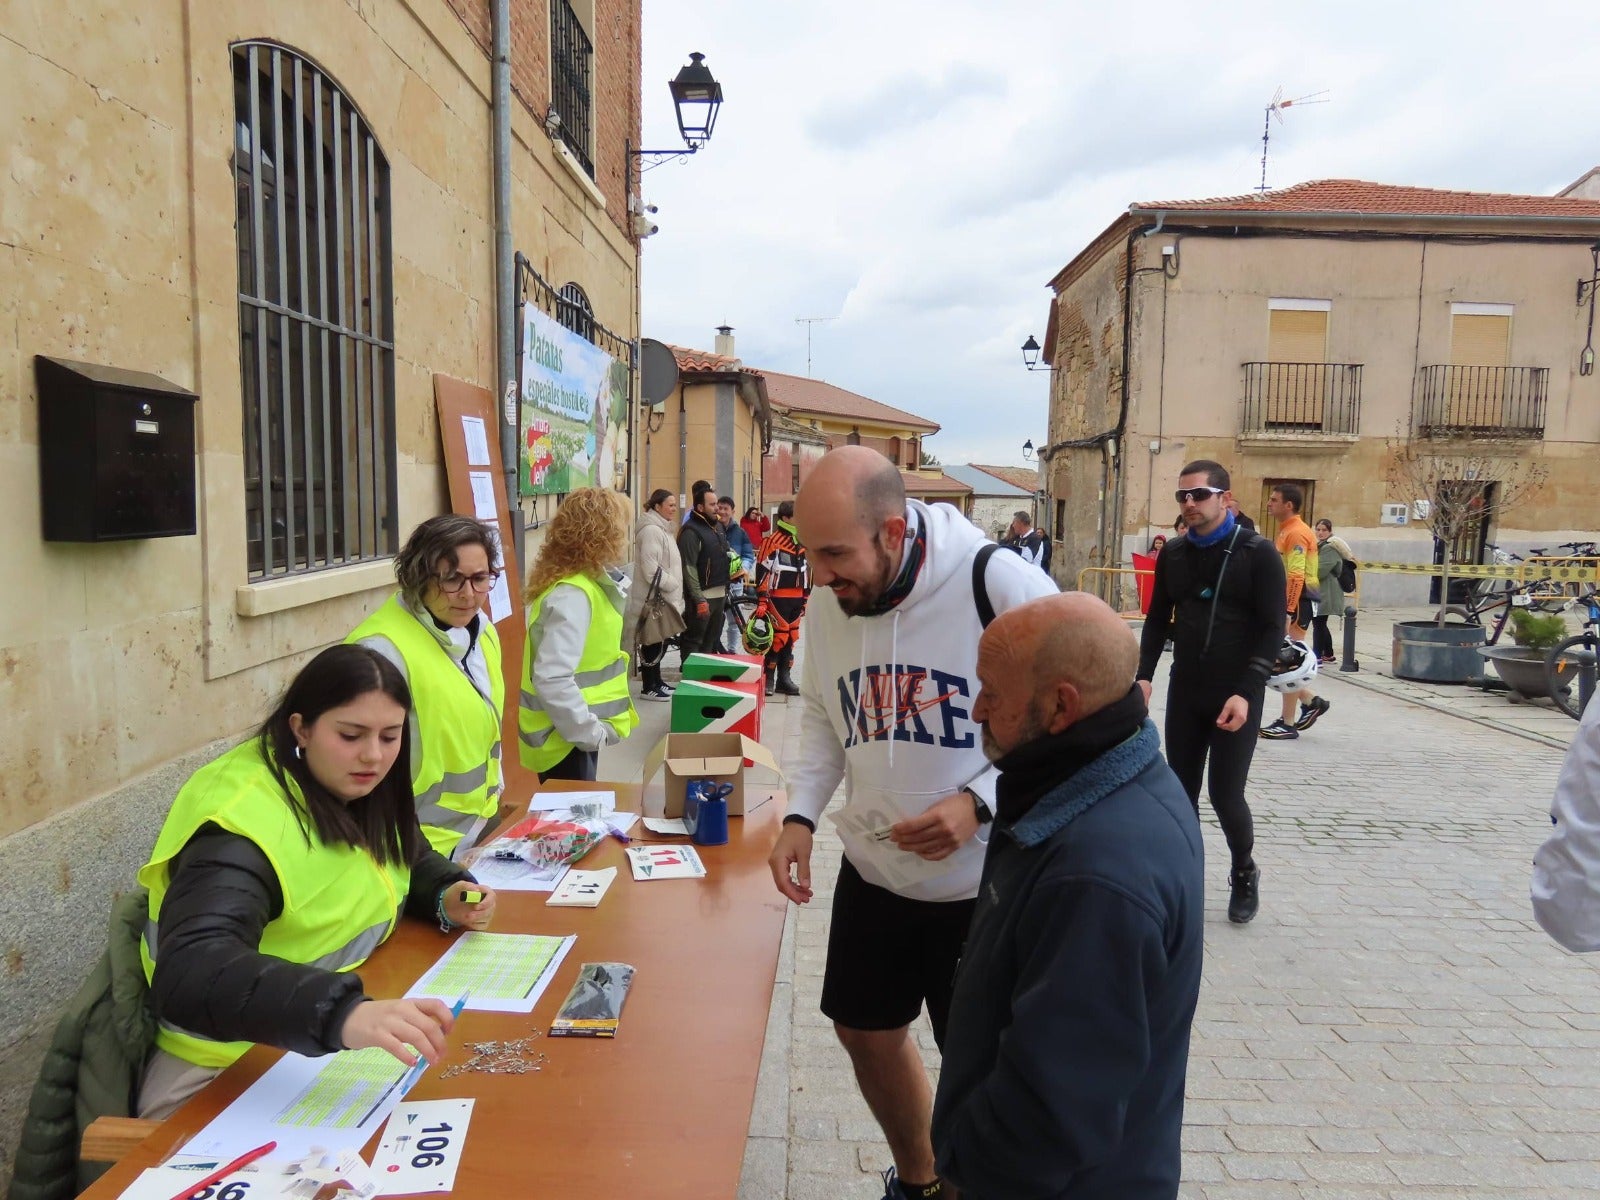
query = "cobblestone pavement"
{"x": 1392, "y": 1024}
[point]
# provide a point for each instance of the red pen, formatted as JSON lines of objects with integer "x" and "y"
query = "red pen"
{"x": 221, "y": 1173}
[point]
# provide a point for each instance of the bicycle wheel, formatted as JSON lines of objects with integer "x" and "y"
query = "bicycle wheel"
{"x": 1561, "y": 666}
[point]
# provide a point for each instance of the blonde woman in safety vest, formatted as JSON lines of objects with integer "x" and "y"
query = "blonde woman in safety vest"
{"x": 281, "y": 867}
{"x": 574, "y": 669}
{"x": 435, "y": 630}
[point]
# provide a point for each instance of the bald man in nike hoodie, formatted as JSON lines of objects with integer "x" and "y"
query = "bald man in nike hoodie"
{"x": 887, "y": 685}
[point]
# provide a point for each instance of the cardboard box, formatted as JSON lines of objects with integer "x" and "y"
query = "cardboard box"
{"x": 680, "y": 757}
{"x": 703, "y": 707}
{"x": 724, "y": 668}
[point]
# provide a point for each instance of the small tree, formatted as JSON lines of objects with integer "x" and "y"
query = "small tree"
{"x": 928, "y": 461}
{"x": 1453, "y": 480}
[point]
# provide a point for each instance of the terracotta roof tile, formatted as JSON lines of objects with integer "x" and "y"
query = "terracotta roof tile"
{"x": 918, "y": 484}
{"x": 1357, "y": 196}
{"x": 704, "y": 361}
{"x": 796, "y": 393}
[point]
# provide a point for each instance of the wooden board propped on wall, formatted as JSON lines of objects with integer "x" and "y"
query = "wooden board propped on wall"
{"x": 469, "y": 428}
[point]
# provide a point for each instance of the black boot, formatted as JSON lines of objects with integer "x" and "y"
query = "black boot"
{"x": 786, "y": 683}
{"x": 772, "y": 679}
{"x": 1246, "y": 898}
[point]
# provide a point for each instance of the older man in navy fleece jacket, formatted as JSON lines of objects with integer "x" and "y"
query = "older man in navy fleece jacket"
{"x": 1068, "y": 1040}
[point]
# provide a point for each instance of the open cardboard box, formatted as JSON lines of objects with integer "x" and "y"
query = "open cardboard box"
{"x": 680, "y": 757}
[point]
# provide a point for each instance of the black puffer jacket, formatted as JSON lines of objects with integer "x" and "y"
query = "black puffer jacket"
{"x": 211, "y": 979}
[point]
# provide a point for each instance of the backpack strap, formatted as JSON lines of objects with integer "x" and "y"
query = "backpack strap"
{"x": 980, "y": 589}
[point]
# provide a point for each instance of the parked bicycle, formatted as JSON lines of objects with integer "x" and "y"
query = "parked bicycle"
{"x": 1557, "y": 595}
{"x": 1575, "y": 654}
{"x": 1489, "y": 602}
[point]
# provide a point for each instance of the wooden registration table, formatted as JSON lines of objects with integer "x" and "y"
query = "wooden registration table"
{"x": 663, "y": 1110}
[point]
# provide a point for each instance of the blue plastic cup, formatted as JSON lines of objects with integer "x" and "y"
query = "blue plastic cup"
{"x": 712, "y": 827}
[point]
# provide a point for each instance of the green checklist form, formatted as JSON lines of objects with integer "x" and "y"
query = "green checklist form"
{"x": 498, "y": 972}
{"x": 344, "y": 1091}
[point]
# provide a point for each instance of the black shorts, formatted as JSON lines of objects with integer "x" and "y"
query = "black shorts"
{"x": 888, "y": 955}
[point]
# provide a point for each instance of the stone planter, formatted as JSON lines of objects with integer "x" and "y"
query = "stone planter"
{"x": 1431, "y": 653}
{"x": 1523, "y": 671}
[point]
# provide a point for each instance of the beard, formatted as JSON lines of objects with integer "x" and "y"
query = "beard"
{"x": 1032, "y": 730}
{"x": 864, "y": 597}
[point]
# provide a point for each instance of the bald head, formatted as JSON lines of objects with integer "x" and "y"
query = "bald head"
{"x": 1048, "y": 664}
{"x": 854, "y": 476}
{"x": 851, "y": 516}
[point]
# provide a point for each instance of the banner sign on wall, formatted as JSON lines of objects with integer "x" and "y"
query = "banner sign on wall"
{"x": 574, "y": 409}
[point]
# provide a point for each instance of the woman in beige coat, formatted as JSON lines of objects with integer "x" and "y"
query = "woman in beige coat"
{"x": 655, "y": 547}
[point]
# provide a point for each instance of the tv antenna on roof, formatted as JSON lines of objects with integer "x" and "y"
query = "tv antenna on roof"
{"x": 1275, "y": 109}
{"x": 808, "y": 322}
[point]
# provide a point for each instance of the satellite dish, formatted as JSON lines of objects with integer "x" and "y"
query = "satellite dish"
{"x": 658, "y": 372}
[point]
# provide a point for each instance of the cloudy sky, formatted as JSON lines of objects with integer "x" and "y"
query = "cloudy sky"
{"x": 920, "y": 170}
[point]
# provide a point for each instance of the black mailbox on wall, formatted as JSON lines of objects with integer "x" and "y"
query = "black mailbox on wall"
{"x": 116, "y": 453}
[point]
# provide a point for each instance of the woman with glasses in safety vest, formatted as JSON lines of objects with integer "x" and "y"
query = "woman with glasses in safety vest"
{"x": 280, "y": 868}
{"x": 574, "y": 670}
{"x": 435, "y": 631}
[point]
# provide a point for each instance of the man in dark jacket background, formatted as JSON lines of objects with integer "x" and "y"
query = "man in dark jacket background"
{"x": 705, "y": 575}
{"x": 1068, "y": 1040}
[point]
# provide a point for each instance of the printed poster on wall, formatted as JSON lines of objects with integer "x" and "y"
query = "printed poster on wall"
{"x": 574, "y": 410}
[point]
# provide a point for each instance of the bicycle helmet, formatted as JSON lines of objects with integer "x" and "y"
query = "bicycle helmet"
{"x": 1294, "y": 667}
{"x": 758, "y": 634}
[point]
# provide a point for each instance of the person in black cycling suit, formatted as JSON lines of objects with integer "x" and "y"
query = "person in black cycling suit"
{"x": 1218, "y": 594}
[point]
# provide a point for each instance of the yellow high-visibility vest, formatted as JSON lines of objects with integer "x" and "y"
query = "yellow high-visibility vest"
{"x": 457, "y": 780}
{"x": 339, "y": 903}
{"x": 602, "y": 678}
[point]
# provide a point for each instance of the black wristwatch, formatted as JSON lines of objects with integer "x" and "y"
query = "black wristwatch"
{"x": 980, "y": 807}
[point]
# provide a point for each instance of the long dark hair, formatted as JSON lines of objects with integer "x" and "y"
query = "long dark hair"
{"x": 384, "y": 821}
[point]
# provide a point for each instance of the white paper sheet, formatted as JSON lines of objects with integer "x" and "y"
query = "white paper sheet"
{"x": 673, "y": 825}
{"x": 582, "y": 889}
{"x": 421, "y": 1147}
{"x": 515, "y": 875}
{"x": 665, "y": 862}
{"x": 483, "y": 501}
{"x": 258, "y": 1181}
{"x": 862, "y": 825}
{"x": 501, "y": 972}
{"x": 477, "y": 442}
{"x": 334, "y": 1102}
{"x": 499, "y": 600}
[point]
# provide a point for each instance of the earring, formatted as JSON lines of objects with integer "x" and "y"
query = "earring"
{"x": 299, "y": 751}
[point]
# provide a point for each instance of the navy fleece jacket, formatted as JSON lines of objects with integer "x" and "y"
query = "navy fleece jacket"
{"x": 1064, "y": 1067}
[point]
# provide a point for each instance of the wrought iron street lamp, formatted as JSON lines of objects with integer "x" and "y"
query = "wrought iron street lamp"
{"x": 1586, "y": 290}
{"x": 697, "y": 97}
{"x": 1027, "y": 450}
{"x": 1030, "y": 355}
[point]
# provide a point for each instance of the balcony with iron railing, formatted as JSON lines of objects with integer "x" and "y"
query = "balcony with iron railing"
{"x": 571, "y": 96}
{"x": 1302, "y": 400}
{"x": 1481, "y": 402}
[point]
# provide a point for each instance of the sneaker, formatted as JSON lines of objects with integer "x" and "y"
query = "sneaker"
{"x": 667, "y": 689}
{"x": 1310, "y": 712}
{"x": 891, "y": 1186}
{"x": 1279, "y": 731}
{"x": 659, "y": 693}
{"x": 1327, "y": 659}
{"x": 1246, "y": 897}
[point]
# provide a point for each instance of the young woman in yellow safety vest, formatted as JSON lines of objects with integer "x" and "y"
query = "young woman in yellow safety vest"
{"x": 574, "y": 669}
{"x": 281, "y": 867}
{"x": 435, "y": 630}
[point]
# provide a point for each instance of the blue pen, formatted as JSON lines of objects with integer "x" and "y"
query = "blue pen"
{"x": 411, "y": 1074}
{"x": 415, "y": 1072}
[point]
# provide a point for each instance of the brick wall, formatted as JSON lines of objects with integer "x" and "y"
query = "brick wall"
{"x": 616, "y": 36}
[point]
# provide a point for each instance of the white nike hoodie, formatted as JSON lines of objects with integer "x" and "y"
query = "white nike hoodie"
{"x": 888, "y": 699}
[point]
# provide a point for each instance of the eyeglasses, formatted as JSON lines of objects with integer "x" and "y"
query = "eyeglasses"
{"x": 482, "y": 583}
{"x": 1185, "y": 495}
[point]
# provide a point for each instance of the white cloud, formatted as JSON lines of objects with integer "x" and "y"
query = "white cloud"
{"x": 921, "y": 170}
